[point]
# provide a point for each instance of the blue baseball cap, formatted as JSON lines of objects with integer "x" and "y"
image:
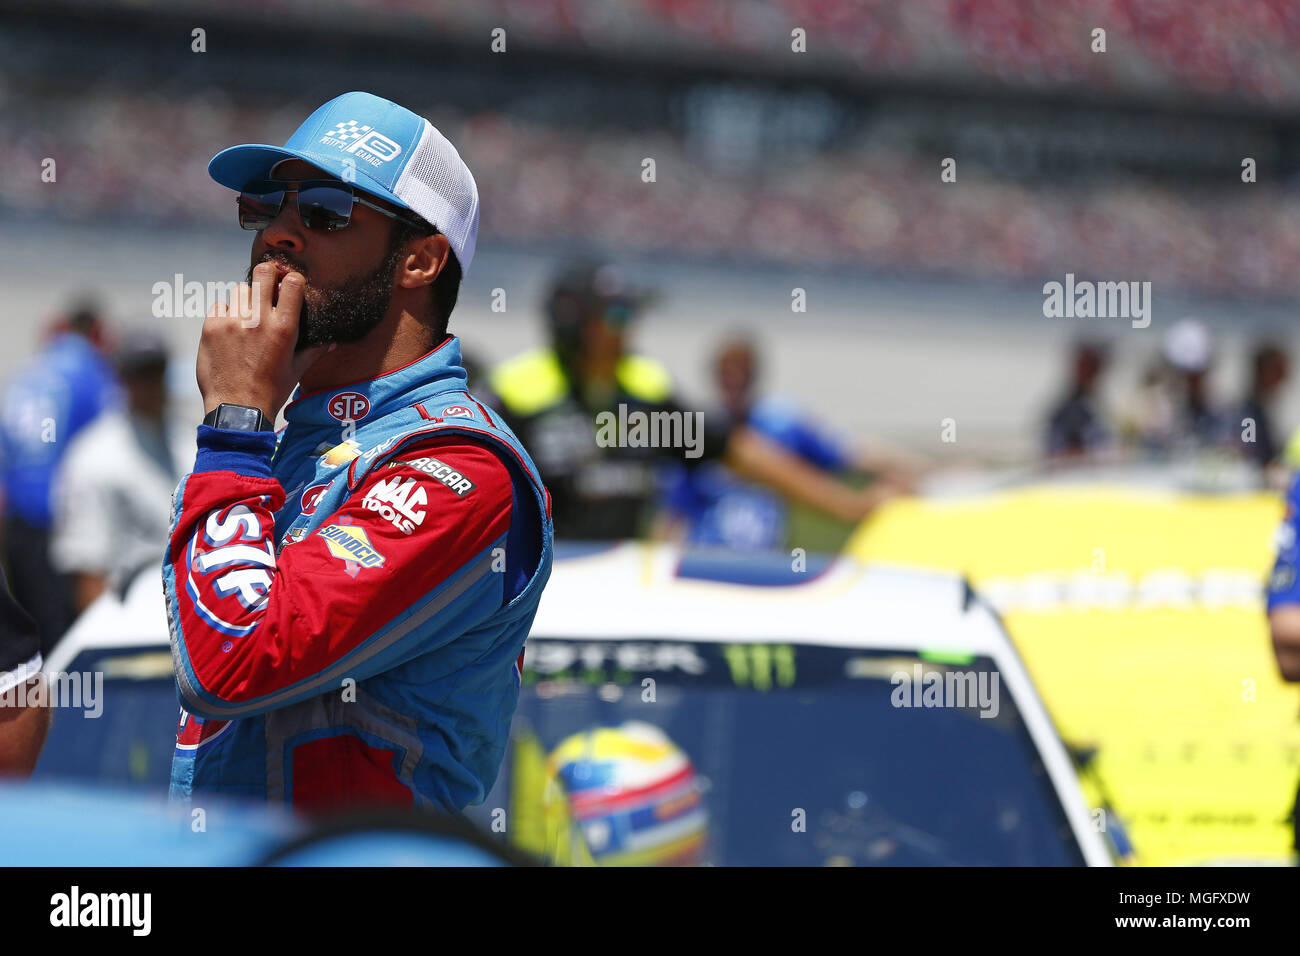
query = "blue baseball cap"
{"x": 384, "y": 150}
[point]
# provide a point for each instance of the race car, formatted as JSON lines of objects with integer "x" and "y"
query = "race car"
{"x": 699, "y": 706}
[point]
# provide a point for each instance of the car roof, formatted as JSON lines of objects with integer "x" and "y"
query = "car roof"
{"x": 636, "y": 590}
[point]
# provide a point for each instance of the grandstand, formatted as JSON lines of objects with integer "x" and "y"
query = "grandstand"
{"x": 1124, "y": 163}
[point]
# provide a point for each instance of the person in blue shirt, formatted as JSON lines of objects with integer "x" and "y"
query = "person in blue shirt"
{"x": 710, "y": 505}
{"x": 50, "y": 398}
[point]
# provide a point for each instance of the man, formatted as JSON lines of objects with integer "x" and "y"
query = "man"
{"x": 111, "y": 511}
{"x": 49, "y": 400}
{"x": 1198, "y": 424}
{"x": 24, "y": 716}
{"x": 604, "y": 487}
{"x": 349, "y": 604}
{"x": 1075, "y": 425}
{"x": 1269, "y": 369}
{"x": 709, "y": 505}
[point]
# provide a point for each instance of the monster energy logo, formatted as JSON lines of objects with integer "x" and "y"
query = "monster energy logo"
{"x": 760, "y": 665}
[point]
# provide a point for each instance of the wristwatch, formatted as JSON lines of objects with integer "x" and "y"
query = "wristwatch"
{"x": 244, "y": 418}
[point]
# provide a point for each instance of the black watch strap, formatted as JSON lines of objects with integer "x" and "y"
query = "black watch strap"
{"x": 244, "y": 418}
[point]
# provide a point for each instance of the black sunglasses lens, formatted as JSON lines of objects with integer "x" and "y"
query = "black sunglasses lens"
{"x": 257, "y": 207}
{"x": 324, "y": 206}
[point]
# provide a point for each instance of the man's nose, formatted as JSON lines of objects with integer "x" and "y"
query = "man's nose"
{"x": 286, "y": 230}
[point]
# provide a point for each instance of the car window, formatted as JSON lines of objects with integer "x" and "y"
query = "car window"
{"x": 796, "y": 755}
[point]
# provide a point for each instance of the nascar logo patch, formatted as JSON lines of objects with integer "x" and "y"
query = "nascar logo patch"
{"x": 449, "y": 476}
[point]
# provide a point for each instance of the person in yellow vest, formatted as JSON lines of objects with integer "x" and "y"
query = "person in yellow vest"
{"x": 599, "y": 421}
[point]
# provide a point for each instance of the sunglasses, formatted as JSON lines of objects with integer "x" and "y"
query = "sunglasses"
{"x": 618, "y": 313}
{"x": 324, "y": 204}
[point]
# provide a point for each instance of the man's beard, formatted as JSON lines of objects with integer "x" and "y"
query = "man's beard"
{"x": 344, "y": 313}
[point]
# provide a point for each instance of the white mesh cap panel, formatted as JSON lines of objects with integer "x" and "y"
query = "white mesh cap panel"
{"x": 438, "y": 185}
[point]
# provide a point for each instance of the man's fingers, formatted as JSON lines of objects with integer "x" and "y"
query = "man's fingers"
{"x": 264, "y": 274}
{"x": 290, "y": 301}
{"x": 243, "y": 306}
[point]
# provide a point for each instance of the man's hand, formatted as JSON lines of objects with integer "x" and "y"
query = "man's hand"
{"x": 246, "y": 354}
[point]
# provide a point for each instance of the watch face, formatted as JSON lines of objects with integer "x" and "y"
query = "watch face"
{"x": 239, "y": 417}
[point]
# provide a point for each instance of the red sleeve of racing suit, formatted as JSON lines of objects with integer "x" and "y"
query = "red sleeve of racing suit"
{"x": 404, "y": 566}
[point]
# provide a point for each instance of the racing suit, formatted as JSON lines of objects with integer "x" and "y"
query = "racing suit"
{"x": 348, "y": 605}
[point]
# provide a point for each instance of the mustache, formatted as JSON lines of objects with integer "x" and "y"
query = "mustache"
{"x": 280, "y": 258}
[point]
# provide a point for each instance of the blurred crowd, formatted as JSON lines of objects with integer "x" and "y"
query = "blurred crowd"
{"x": 1173, "y": 414}
{"x": 1243, "y": 48}
{"x": 872, "y": 208}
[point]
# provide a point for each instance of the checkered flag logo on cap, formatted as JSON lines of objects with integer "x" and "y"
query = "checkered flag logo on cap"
{"x": 348, "y": 131}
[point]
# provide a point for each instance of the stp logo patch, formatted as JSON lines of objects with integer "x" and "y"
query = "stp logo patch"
{"x": 349, "y": 406}
{"x": 457, "y": 411}
{"x": 311, "y": 497}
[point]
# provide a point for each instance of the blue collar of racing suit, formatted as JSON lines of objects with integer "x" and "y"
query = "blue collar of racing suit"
{"x": 438, "y": 370}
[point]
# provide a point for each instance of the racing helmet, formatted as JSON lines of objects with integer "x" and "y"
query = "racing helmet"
{"x": 632, "y": 794}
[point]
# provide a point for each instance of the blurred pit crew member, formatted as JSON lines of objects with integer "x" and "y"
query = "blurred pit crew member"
{"x": 112, "y": 494}
{"x": 709, "y": 505}
{"x": 1269, "y": 370}
{"x": 570, "y": 403}
{"x": 1189, "y": 351}
{"x": 51, "y": 398}
{"x": 1174, "y": 415}
{"x": 1076, "y": 425}
{"x": 349, "y": 599}
{"x": 24, "y": 716}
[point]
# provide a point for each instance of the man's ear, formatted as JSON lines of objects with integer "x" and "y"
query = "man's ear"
{"x": 424, "y": 259}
